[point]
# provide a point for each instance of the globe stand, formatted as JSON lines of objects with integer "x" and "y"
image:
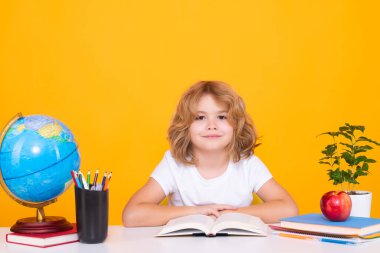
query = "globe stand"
{"x": 41, "y": 224}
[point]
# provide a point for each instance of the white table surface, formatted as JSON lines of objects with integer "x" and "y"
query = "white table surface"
{"x": 122, "y": 239}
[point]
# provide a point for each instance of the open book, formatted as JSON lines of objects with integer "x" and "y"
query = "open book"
{"x": 226, "y": 224}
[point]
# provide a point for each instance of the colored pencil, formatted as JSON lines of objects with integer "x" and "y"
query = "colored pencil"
{"x": 107, "y": 181}
{"x": 74, "y": 178}
{"x": 95, "y": 178}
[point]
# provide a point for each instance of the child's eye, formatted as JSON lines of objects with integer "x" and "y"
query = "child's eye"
{"x": 222, "y": 117}
{"x": 200, "y": 117}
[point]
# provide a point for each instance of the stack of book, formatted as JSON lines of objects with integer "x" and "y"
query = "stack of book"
{"x": 316, "y": 227}
{"x": 44, "y": 240}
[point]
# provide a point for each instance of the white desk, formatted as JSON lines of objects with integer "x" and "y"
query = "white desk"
{"x": 142, "y": 240}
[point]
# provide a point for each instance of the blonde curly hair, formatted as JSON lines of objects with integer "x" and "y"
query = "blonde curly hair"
{"x": 244, "y": 137}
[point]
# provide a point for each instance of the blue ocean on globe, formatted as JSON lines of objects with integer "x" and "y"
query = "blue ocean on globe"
{"x": 36, "y": 157}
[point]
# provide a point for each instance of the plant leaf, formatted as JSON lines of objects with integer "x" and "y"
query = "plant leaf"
{"x": 351, "y": 147}
{"x": 333, "y": 134}
{"x": 348, "y": 158}
{"x": 360, "y": 159}
{"x": 329, "y": 150}
{"x": 348, "y": 136}
{"x": 362, "y": 138}
{"x": 360, "y": 128}
{"x": 360, "y": 149}
{"x": 336, "y": 176}
{"x": 370, "y": 161}
{"x": 359, "y": 172}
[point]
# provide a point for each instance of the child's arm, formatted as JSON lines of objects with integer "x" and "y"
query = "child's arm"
{"x": 144, "y": 208}
{"x": 277, "y": 203}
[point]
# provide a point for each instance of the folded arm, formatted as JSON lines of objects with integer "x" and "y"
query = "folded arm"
{"x": 144, "y": 208}
{"x": 277, "y": 203}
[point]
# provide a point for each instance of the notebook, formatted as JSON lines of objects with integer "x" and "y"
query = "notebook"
{"x": 318, "y": 223}
{"x": 44, "y": 240}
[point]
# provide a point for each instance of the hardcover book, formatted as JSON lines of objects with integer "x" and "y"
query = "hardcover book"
{"x": 44, "y": 240}
{"x": 318, "y": 223}
{"x": 322, "y": 237}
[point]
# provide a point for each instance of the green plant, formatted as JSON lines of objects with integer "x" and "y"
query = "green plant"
{"x": 345, "y": 156}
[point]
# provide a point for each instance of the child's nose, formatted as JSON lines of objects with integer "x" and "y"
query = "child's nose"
{"x": 211, "y": 125}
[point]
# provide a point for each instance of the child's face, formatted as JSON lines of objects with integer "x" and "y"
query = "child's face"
{"x": 211, "y": 130}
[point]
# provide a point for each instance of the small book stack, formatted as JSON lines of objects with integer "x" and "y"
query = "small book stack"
{"x": 44, "y": 240}
{"x": 316, "y": 227}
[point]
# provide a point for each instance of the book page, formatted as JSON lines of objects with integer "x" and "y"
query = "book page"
{"x": 188, "y": 224}
{"x": 239, "y": 221}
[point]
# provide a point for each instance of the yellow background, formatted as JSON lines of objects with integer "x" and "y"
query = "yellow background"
{"x": 113, "y": 71}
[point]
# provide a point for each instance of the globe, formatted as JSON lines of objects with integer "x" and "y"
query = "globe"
{"x": 37, "y": 155}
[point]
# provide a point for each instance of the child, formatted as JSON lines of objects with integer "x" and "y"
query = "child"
{"x": 210, "y": 168}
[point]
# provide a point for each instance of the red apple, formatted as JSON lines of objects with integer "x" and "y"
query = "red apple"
{"x": 336, "y": 206}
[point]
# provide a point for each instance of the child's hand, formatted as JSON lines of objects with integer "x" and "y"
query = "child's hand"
{"x": 213, "y": 210}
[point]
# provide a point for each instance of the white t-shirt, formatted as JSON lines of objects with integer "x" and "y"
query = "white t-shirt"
{"x": 186, "y": 187}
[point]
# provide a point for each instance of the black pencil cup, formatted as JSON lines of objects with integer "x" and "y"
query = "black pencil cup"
{"x": 92, "y": 215}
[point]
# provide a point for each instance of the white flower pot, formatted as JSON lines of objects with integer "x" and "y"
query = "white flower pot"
{"x": 361, "y": 204}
